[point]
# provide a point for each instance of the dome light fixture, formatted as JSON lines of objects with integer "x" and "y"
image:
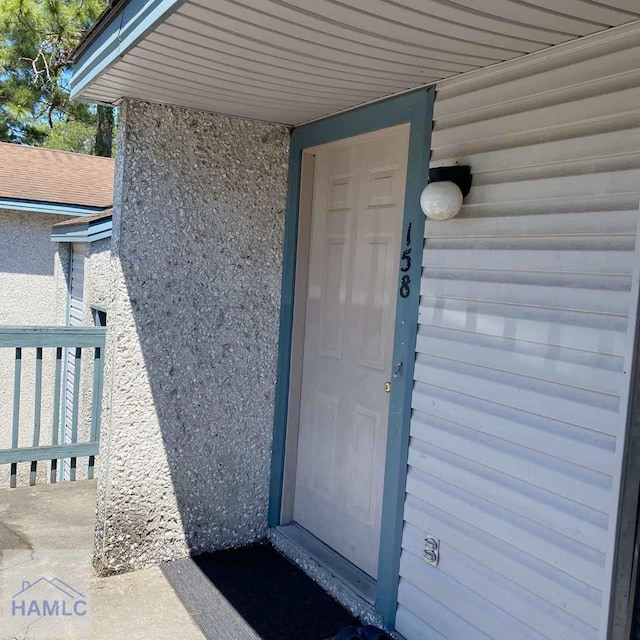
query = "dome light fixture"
{"x": 442, "y": 198}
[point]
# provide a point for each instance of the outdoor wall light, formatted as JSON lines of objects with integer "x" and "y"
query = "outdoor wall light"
{"x": 442, "y": 198}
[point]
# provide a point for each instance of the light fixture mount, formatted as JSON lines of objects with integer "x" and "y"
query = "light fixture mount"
{"x": 459, "y": 174}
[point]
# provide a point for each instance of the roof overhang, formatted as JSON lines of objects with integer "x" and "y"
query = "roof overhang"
{"x": 89, "y": 229}
{"x": 53, "y": 208}
{"x": 292, "y": 61}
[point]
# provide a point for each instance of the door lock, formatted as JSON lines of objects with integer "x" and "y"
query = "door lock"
{"x": 397, "y": 370}
{"x": 387, "y": 387}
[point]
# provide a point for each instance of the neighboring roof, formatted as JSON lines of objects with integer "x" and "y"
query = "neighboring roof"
{"x": 84, "y": 228}
{"x": 34, "y": 174}
{"x": 295, "y": 61}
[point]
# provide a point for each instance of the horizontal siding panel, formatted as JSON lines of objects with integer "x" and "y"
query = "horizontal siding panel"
{"x": 562, "y": 131}
{"x": 540, "y": 578}
{"x": 586, "y": 109}
{"x": 597, "y": 165}
{"x": 553, "y": 297}
{"x": 577, "y": 560}
{"x": 557, "y": 356}
{"x": 600, "y": 262}
{"x": 410, "y": 626}
{"x": 495, "y": 353}
{"x": 526, "y": 321}
{"x": 615, "y": 71}
{"x": 579, "y": 186}
{"x": 519, "y": 494}
{"x": 434, "y": 614}
{"x": 557, "y": 327}
{"x": 582, "y": 486}
{"x": 590, "y": 410}
{"x": 571, "y": 443}
{"x": 608, "y": 149}
{"x": 595, "y": 225}
{"x": 466, "y": 604}
{"x": 505, "y": 595}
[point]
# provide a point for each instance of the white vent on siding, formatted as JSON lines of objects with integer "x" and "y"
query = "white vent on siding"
{"x": 526, "y": 327}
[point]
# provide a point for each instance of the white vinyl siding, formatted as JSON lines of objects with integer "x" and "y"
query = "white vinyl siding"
{"x": 76, "y": 289}
{"x": 76, "y": 319}
{"x": 526, "y": 328}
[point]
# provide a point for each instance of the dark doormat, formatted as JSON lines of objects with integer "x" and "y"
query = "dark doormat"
{"x": 254, "y": 592}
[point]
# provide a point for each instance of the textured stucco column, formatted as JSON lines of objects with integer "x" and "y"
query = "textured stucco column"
{"x": 192, "y": 335}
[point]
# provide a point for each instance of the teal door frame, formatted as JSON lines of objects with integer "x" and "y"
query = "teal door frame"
{"x": 415, "y": 108}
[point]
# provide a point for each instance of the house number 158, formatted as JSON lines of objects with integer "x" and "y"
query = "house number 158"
{"x": 405, "y": 261}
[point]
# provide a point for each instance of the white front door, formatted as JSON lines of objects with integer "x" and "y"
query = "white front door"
{"x": 356, "y": 228}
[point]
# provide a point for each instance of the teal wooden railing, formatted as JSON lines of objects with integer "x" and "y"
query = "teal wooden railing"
{"x": 76, "y": 344}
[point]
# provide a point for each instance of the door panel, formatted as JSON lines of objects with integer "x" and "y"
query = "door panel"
{"x": 356, "y": 223}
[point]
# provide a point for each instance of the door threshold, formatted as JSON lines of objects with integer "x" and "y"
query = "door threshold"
{"x": 363, "y": 585}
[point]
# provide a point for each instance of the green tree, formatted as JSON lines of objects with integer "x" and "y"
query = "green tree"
{"x": 72, "y": 135}
{"x": 38, "y": 38}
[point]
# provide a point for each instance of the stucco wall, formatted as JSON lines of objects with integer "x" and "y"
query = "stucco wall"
{"x": 29, "y": 293}
{"x": 192, "y": 339}
{"x": 32, "y": 292}
{"x": 97, "y": 275}
{"x": 97, "y": 283}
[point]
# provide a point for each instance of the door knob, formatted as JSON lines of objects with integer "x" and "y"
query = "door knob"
{"x": 387, "y": 387}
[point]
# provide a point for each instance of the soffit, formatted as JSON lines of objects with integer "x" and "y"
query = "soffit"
{"x": 292, "y": 61}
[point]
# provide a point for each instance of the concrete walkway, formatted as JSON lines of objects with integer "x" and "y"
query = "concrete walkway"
{"x": 135, "y": 606}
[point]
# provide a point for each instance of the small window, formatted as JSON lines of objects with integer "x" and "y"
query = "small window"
{"x": 99, "y": 316}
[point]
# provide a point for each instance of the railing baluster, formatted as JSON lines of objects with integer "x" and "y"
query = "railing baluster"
{"x": 16, "y": 414}
{"x": 75, "y": 405}
{"x": 68, "y": 342}
{"x": 37, "y": 412}
{"x": 57, "y": 399}
{"x": 96, "y": 401}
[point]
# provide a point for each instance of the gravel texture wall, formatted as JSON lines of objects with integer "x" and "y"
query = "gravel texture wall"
{"x": 30, "y": 293}
{"x": 97, "y": 275}
{"x": 97, "y": 282}
{"x": 192, "y": 338}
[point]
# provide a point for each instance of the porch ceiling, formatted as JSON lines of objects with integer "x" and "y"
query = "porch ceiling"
{"x": 291, "y": 61}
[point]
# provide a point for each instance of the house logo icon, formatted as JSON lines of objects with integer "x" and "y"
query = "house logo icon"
{"x": 48, "y": 597}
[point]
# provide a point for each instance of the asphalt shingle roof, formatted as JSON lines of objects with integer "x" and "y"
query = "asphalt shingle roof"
{"x": 44, "y": 175}
{"x": 94, "y": 217}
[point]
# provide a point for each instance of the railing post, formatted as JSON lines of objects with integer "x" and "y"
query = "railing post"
{"x": 16, "y": 413}
{"x": 75, "y": 407}
{"x": 57, "y": 401}
{"x": 96, "y": 403}
{"x": 37, "y": 409}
